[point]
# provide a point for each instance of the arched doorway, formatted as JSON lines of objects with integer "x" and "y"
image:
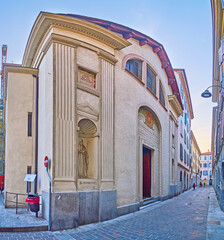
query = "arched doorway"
{"x": 149, "y": 160}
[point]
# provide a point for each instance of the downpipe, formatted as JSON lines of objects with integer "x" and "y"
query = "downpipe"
{"x": 49, "y": 202}
{"x": 36, "y": 133}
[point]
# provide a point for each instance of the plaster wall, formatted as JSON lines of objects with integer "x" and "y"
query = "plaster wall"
{"x": 45, "y": 119}
{"x": 19, "y": 151}
{"x": 186, "y": 147}
{"x": 130, "y": 95}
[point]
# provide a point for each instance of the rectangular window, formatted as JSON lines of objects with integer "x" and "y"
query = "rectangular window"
{"x": 29, "y": 125}
{"x": 151, "y": 80}
{"x": 173, "y": 141}
{"x": 185, "y": 118}
{"x": 181, "y": 151}
{"x": 28, "y": 187}
{"x": 185, "y": 160}
{"x": 161, "y": 96}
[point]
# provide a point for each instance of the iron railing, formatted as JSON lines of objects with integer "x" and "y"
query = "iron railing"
{"x": 16, "y": 204}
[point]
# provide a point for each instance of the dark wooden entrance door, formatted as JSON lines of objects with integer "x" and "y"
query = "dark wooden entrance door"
{"x": 146, "y": 172}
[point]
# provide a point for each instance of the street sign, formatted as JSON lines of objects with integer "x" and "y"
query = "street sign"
{"x": 30, "y": 178}
{"x": 46, "y": 161}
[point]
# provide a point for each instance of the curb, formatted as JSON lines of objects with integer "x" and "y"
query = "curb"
{"x": 24, "y": 229}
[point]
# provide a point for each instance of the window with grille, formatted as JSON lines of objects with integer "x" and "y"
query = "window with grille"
{"x": 135, "y": 67}
{"x": 151, "y": 80}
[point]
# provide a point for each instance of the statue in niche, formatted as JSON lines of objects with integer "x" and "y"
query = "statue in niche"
{"x": 83, "y": 160}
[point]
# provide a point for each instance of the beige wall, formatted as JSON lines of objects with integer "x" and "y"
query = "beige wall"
{"x": 19, "y": 147}
{"x": 112, "y": 106}
{"x": 130, "y": 95}
{"x": 45, "y": 118}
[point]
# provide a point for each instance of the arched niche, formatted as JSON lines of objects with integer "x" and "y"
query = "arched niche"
{"x": 87, "y": 149}
{"x": 149, "y": 160}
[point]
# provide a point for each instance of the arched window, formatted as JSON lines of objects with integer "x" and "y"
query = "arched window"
{"x": 151, "y": 80}
{"x": 135, "y": 67}
{"x": 161, "y": 95}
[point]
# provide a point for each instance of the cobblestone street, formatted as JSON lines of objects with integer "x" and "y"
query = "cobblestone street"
{"x": 182, "y": 217}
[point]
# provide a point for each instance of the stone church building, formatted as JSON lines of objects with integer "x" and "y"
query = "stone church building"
{"x": 102, "y": 102}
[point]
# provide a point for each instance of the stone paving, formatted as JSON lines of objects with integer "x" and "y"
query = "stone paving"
{"x": 182, "y": 217}
{"x": 215, "y": 228}
{"x": 9, "y": 218}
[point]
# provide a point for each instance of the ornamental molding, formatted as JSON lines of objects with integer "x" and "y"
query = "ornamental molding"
{"x": 88, "y": 109}
{"x": 175, "y": 105}
{"x": 45, "y": 21}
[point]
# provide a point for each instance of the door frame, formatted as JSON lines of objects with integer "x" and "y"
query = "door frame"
{"x": 145, "y": 148}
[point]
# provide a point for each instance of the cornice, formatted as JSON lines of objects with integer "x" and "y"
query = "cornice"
{"x": 107, "y": 57}
{"x": 20, "y": 69}
{"x": 175, "y": 105}
{"x": 182, "y": 166}
{"x": 45, "y": 20}
{"x": 195, "y": 142}
{"x": 143, "y": 39}
{"x": 183, "y": 79}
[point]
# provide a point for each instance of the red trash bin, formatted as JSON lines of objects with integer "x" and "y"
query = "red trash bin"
{"x": 34, "y": 202}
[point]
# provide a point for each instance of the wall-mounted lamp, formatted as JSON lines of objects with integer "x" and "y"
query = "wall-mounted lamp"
{"x": 207, "y": 94}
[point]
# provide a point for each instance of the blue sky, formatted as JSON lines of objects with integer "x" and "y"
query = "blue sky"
{"x": 183, "y": 27}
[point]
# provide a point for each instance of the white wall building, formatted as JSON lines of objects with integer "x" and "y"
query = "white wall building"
{"x": 107, "y": 113}
{"x": 206, "y": 168}
{"x": 184, "y": 134}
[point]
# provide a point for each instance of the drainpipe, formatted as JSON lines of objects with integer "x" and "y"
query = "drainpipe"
{"x": 49, "y": 202}
{"x": 36, "y": 133}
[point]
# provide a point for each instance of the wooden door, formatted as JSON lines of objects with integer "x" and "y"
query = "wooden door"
{"x": 146, "y": 172}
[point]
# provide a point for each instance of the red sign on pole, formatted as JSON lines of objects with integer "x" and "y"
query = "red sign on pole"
{"x": 46, "y": 161}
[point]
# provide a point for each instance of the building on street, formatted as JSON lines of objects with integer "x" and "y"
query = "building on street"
{"x": 217, "y": 146}
{"x": 184, "y": 134}
{"x": 206, "y": 168}
{"x": 195, "y": 164}
{"x": 102, "y": 101}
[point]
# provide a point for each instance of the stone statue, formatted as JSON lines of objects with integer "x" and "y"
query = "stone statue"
{"x": 83, "y": 160}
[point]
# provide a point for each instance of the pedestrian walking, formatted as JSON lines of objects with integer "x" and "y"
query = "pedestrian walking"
{"x": 204, "y": 184}
{"x": 194, "y": 186}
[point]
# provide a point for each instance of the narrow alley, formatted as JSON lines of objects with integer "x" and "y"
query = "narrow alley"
{"x": 182, "y": 217}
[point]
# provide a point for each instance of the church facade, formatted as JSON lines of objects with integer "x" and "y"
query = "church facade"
{"x": 102, "y": 102}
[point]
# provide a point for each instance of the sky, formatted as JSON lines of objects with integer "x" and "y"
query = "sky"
{"x": 184, "y": 28}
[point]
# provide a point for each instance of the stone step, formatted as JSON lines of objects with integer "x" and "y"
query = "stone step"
{"x": 150, "y": 204}
{"x": 24, "y": 229}
{"x": 148, "y": 201}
